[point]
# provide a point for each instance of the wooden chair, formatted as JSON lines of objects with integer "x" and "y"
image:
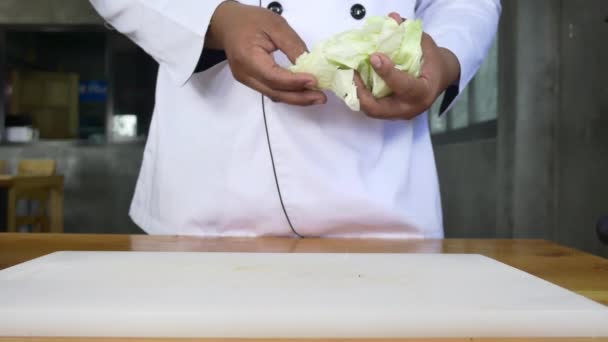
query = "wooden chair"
{"x": 38, "y": 167}
{"x": 38, "y": 219}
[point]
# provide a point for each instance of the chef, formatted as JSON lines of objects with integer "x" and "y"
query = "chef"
{"x": 240, "y": 146}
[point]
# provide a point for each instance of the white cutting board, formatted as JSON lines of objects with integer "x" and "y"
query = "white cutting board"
{"x": 133, "y": 294}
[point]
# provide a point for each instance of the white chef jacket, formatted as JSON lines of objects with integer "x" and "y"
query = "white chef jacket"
{"x": 222, "y": 160}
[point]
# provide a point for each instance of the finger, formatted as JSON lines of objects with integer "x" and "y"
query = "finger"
{"x": 429, "y": 48}
{"x": 298, "y": 98}
{"x": 385, "y": 108}
{"x": 264, "y": 68}
{"x": 402, "y": 83}
{"x": 396, "y": 17}
{"x": 287, "y": 40}
{"x": 397, "y": 109}
{"x": 369, "y": 104}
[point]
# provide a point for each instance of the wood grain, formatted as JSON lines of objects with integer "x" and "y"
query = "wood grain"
{"x": 59, "y": 339}
{"x": 30, "y": 181}
{"x": 40, "y": 167}
{"x": 572, "y": 269}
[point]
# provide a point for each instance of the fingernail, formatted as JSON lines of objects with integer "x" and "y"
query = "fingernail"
{"x": 376, "y": 61}
{"x": 319, "y": 101}
{"x": 310, "y": 84}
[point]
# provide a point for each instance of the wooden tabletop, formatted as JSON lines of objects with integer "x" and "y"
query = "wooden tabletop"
{"x": 577, "y": 271}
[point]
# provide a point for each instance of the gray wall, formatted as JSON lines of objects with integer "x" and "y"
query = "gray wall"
{"x": 582, "y": 124}
{"x": 467, "y": 173}
{"x": 552, "y": 131}
{"x": 99, "y": 181}
{"x": 547, "y": 173}
{"x": 47, "y": 12}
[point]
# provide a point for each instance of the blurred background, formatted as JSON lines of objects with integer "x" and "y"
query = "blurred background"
{"x": 524, "y": 154}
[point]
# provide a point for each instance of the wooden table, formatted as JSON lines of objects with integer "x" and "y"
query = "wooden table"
{"x": 18, "y": 183}
{"x": 577, "y": 271}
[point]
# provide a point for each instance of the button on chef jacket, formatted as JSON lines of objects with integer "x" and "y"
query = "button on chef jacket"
{"x": 222, "y": 160}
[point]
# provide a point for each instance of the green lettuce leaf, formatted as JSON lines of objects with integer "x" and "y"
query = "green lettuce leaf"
{"x": 335, "y": 60}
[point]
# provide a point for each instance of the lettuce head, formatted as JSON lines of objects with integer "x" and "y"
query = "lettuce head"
{"x": 334, "y": 61}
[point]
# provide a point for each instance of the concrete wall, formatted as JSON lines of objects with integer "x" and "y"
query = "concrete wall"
{"x": 47, "y": 12}
{"x": 527, "y": 119}
{"x": 547, "y": 171}
{"x": 552, "y": 134}
{"x": 467, "y": 175}
{"x": 99, "y": 182}
{"x": 582, "y": 123}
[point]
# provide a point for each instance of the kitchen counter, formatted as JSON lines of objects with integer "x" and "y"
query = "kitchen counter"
{"x": 574, "y": 270}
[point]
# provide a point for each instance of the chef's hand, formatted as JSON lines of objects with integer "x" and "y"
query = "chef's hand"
{"x": 411, "y": 96}
{"x": 249, "y": 35}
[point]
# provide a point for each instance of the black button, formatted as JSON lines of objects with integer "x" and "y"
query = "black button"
{"x": 357, "y": 11}
{"x": 276, "y": 7}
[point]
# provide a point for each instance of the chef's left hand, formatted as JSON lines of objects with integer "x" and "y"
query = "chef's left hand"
{"x": 411, "y": 96}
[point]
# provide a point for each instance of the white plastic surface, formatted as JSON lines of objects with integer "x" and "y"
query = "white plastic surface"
{"x": 158, "y": 294}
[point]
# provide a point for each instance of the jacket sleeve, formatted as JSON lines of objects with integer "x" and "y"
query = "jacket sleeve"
{"x": 465, "y": 27}
{"x": 172, "y": 32}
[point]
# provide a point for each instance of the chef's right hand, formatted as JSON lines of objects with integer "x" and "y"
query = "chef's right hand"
{"x": 249, "y": 35}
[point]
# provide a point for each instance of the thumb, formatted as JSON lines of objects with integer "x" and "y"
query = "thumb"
{"x": 382, "y": 64}
{"x": 396, "y": 17}
{"x": 400, "y": 82}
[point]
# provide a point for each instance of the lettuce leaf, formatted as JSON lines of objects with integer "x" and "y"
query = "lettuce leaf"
{"x": 335, "y": 60}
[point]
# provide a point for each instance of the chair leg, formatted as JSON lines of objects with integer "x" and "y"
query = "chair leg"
{"x": 37, "y": 227}
{"x": 42, "y": 223}
{"x": 11, "y": 213}
{"x": 55, "y": 210}
{"x": 40, "y": 214}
